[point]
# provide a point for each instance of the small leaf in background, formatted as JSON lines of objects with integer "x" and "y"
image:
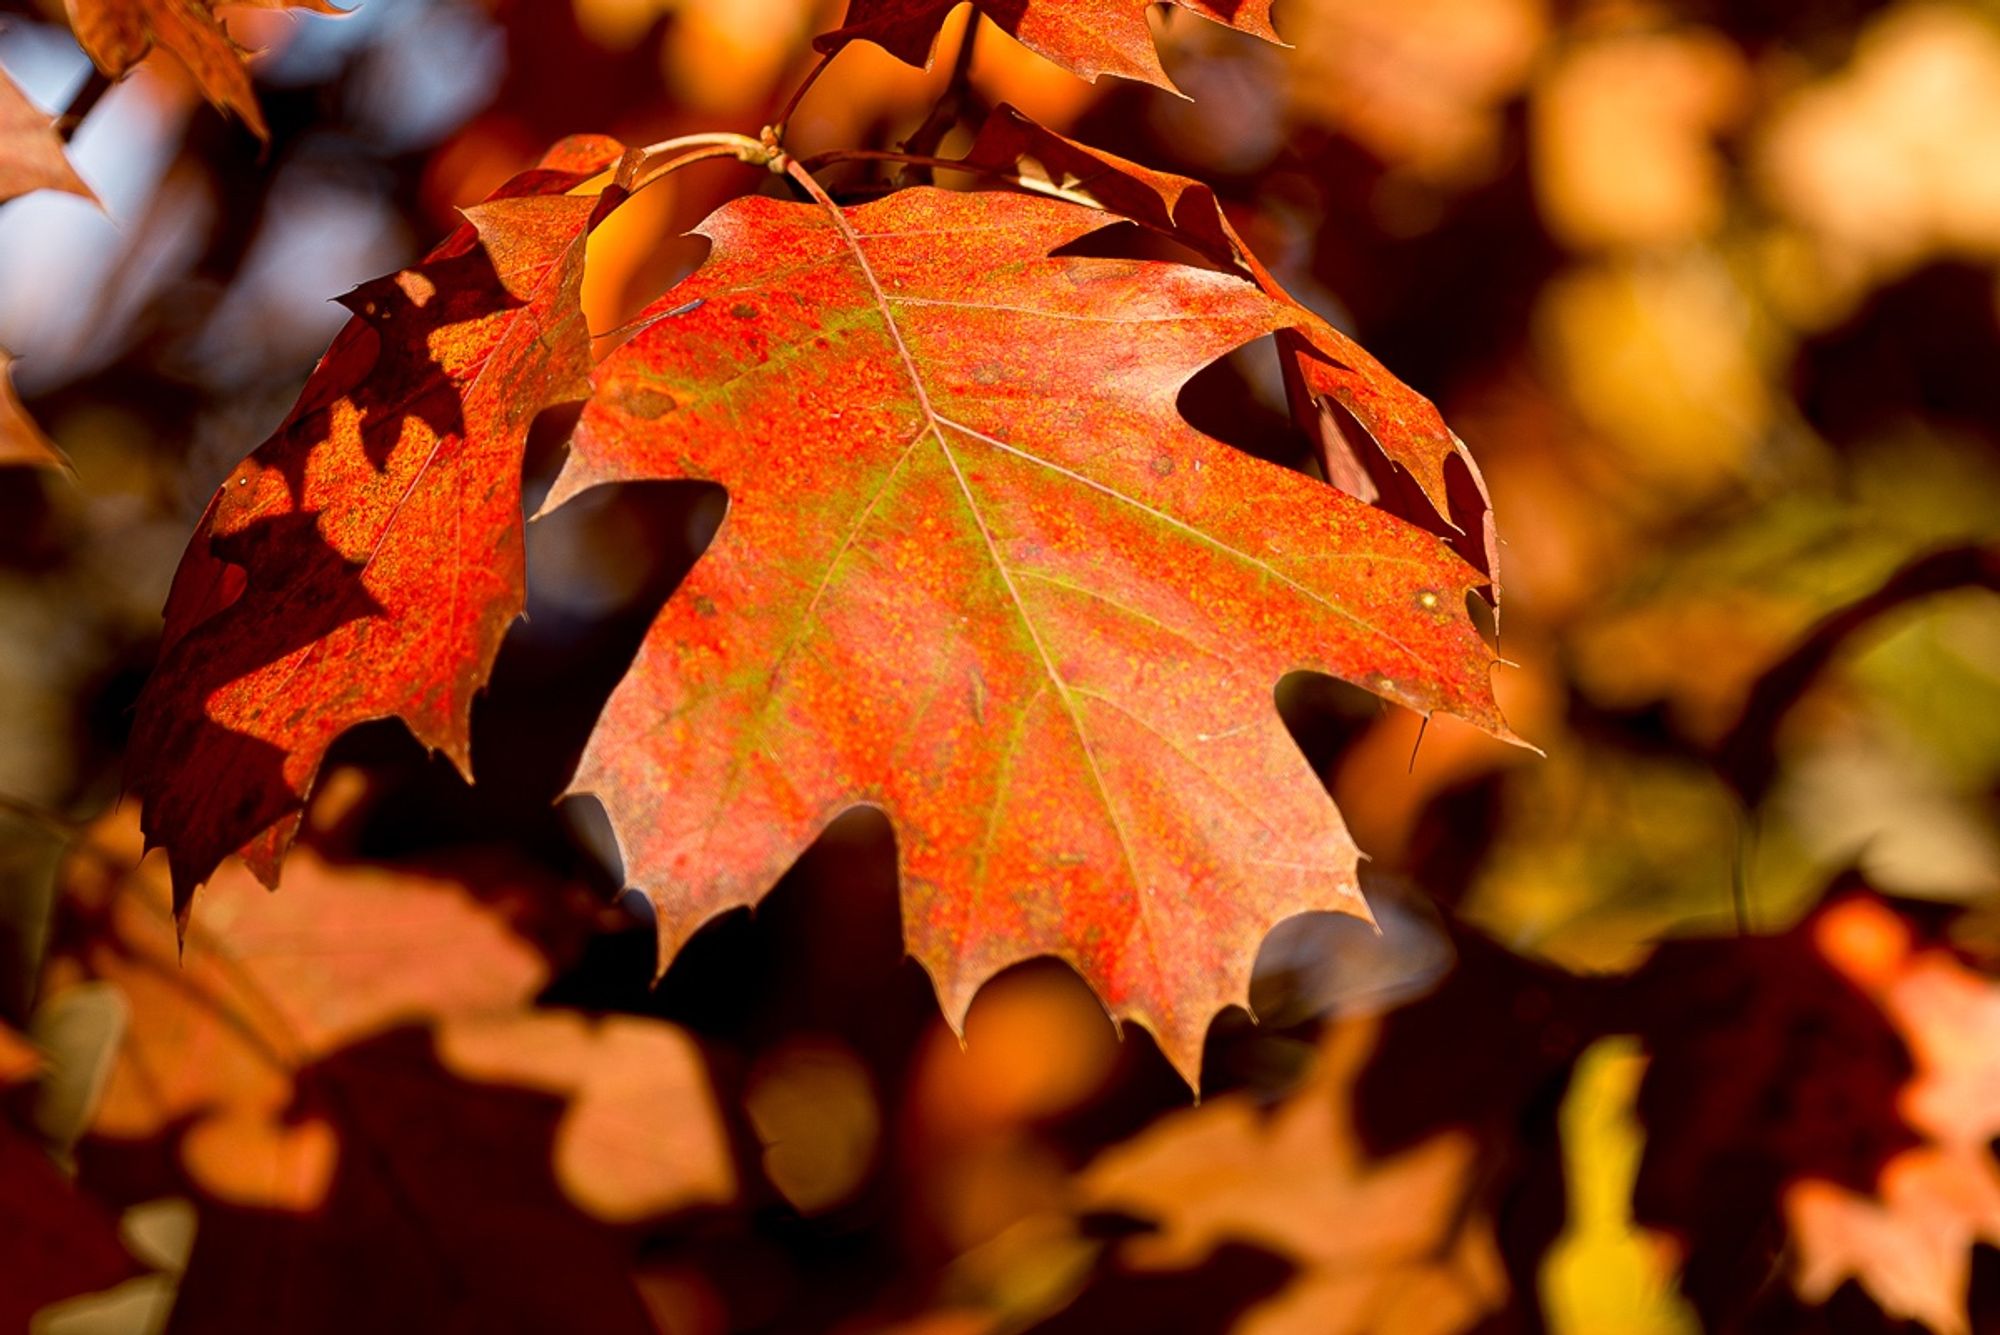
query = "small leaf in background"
{"x": 118, "y": 34}
{"x": 1765, "y": 1066}
{"x": 1890, "y": 161}
{"x": 1087, "y": 37}
{"x": 21, "y": 441}
{"x": 1910, "y": 1243}
{"x": 1605, "y": 1273}
{"x": 1622, "y": 134}
{"x": 815, "y": 1112}
{"x": 358, "y": 1062}
{"x": 1392, "y": 1243}
{"x": 31, "y": 151}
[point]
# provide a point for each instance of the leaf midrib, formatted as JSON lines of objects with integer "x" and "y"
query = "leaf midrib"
{"x": 935, "y": 424}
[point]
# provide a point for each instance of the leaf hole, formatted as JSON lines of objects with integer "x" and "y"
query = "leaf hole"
{"x": 1484, "y": 616}
{"x": 1325, "y": 715}
{"x": 1239, "y": 399}
{"x": 1129, "y": 241}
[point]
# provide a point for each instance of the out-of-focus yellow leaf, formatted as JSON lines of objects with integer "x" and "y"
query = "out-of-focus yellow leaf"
{"x": 1606, "y": 1275}
{"x": 1601, "y": 853}
{"x": 814, "y": 1109}
{"x": 1622, "y": 137}
{"x": 1892, "y": 161}
{"x": 1669, "y": 360}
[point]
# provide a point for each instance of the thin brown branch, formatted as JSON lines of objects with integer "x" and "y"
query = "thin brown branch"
{"x": 784, "y": 120}
{"x": 83, "y": 103}
{"x": 1747, "y": 757}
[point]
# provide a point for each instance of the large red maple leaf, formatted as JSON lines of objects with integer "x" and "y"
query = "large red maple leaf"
{"x": 979, "y": 572}
{"x": 365, "y": 561}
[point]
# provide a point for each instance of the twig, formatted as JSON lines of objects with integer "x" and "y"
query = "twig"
{"x": 1747, "y": 757}
{"x": 779, "y": 126}
{"x": 40, "y": 815}
{"x": 82, "y": 103}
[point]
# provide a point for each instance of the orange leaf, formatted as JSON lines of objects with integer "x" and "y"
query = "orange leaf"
{"x": 21, "y": 441}
{"x": 31, "y": 152}
{"x": 978, "y": 571}
{"x": 1087, "y": 37}
{"x": 365, "y": 562}
{"x": 118, "y": 34}
{"x": 1389, "y": 1244}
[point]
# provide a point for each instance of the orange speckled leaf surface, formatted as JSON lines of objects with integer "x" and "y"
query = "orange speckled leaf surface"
{"x": 978, "y": 571}
{"x": 1087, "y": 37}
{"x": 366, "y": 560}
{"x": 118, "y": 34}
{"x": 1331, "y": 379}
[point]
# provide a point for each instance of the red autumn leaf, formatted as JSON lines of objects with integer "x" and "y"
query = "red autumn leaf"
{"x": 31, "y": 152}
{"x": 979, "y": 572}
{"x": 21, "y": 441}
{"x": 1087, "y": 37}
{"x": 118, "y": 34}
{"x": 366, "y": 560}
{"x": 1326, "y": 372}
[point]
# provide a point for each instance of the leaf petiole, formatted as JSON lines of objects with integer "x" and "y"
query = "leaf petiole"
{"x": 700, "y": 148}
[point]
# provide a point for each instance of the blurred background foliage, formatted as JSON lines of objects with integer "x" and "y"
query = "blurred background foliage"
{"x": 1713, "y": 292}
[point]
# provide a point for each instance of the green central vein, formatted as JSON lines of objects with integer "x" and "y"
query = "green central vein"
{"x": 936, "y": 424}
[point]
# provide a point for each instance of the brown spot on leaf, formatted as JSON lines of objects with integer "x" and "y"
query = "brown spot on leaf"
{"x": 650, "y": 403}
